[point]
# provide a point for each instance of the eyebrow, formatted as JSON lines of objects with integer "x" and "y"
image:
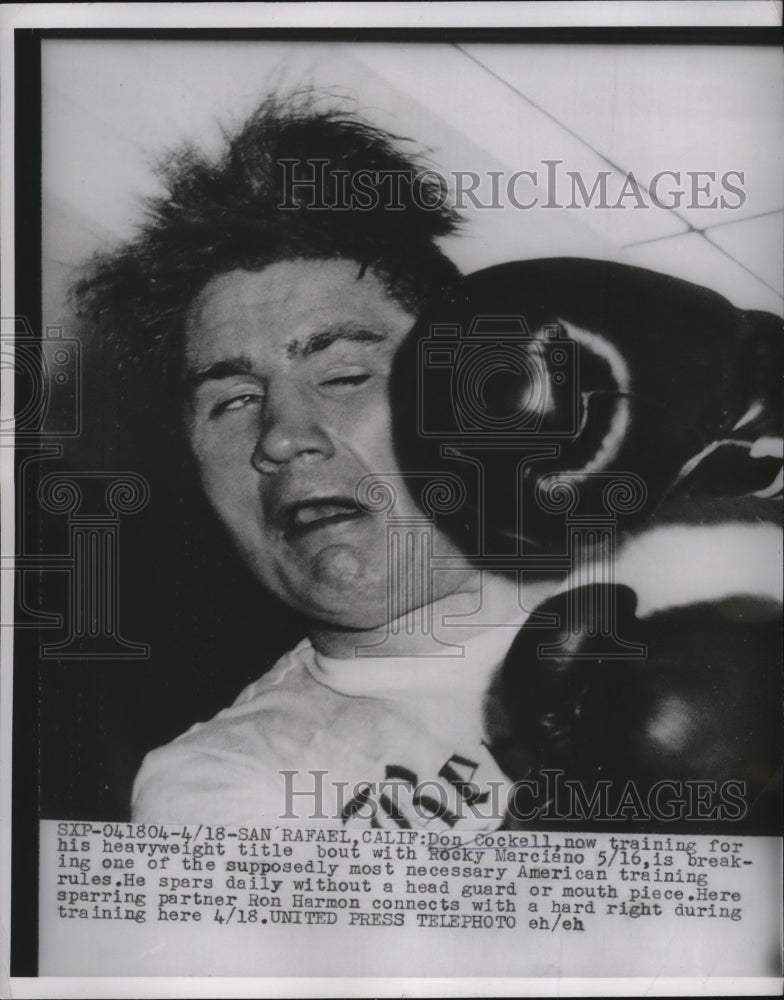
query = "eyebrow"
{"x": 241, "y": 364}
{"x": 321, "y": 341}
{"x": 228, "y": 367}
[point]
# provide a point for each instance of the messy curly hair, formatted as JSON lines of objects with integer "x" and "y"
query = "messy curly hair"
{"x": 261, "y": 200}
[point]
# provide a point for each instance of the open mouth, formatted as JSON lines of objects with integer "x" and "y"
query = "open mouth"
{"x": 305, "y": 516}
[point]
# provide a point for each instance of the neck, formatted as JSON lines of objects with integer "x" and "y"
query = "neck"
{"x": 485, "y": 600}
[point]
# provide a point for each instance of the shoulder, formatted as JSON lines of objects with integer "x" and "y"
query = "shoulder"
{"x": 289, "y": 673}
{"x": 226, "y": 769}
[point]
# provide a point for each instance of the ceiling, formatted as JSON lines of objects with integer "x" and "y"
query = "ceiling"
{"x": 110, "y": 108}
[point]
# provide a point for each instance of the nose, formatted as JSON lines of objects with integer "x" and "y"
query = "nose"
{"x": 290, "y": 430}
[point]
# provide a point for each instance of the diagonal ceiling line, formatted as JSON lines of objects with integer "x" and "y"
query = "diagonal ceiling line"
{"x": 746, "y": 218}
{"x": 741, "y": 264}
{"x": 609, "y": 162}
{"x": 658, "y": 239}
{"x": 548, "y": 114}
{"x": 706, "y": 229}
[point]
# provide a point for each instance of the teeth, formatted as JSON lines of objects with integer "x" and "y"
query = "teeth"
{"x": 317, "y": 512}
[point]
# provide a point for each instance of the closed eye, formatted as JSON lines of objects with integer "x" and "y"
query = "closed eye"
{"x": 339, "y": 380}
{"x": 236, "y": 403}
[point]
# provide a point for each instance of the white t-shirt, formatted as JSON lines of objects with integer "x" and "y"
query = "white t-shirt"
{"x": 396, "y": 742}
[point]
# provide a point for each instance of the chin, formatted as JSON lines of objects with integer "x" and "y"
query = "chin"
{"x": 336, "y": 585}
{"x": 346, "y": 611}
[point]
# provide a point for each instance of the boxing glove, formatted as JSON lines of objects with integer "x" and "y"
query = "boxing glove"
{"x": 700, "y": 703}
{"x": 585, "y": 370}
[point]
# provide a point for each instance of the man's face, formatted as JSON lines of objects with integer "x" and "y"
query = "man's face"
{"x": 288, "y": 373}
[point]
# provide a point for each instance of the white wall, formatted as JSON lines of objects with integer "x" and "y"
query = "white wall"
{"x": 111, "y": 107}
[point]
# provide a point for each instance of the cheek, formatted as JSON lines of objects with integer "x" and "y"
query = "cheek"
{"x": 367, "y": 433}
{"x": 228, "y": 479}
{"x": 220, "y": 454}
